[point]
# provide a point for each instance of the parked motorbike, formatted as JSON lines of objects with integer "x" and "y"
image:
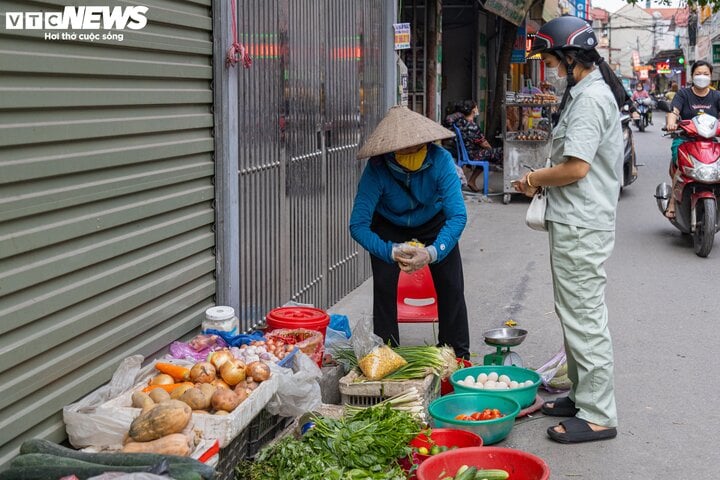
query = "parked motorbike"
{"x": 698, "y": 181}
{"x": 630, "y": 170}
{"x": 641, "y": 116}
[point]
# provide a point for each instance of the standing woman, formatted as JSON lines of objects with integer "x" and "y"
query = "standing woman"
{"x": 582, "y": 185}
{"x": 686, "y": 104}
{"x": 408, "y": 191}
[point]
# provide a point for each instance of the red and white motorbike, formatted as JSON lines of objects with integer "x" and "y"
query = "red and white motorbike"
{"x": 697, "y": 185}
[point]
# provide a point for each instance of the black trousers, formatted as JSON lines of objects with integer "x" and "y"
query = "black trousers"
{"x": 449, "y": 285}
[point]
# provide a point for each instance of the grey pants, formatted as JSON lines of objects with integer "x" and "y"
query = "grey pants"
{"x": 577, "y": 258}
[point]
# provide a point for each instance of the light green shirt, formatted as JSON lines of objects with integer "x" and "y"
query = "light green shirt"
{"x": 589, "y": 129}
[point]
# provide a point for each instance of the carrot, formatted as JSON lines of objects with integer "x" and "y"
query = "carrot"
{"x": 178, "y": 372}
{"x": 168, "y": 387}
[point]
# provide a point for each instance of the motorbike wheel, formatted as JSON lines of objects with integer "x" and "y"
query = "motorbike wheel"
{"x": 704, "y": 234}
{"x": 642, "y": 124}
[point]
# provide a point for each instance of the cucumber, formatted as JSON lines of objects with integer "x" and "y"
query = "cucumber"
{"x": 467, "y": 474}
{"x": 38, "y": 445}
{"x": 491, "y": 474}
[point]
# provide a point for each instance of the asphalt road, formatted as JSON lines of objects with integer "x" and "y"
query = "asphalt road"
{"x": 664, "y": 318}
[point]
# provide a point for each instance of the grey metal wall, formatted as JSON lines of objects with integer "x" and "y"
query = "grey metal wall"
{"x": 106, "y": 239}
{"x": 315, "y": 89}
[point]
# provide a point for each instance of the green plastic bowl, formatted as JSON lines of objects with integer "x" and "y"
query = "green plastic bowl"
{"x": 525, "y": 396}
{"x": 444, "y": 410}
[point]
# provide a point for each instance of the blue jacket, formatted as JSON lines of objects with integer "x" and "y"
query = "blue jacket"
{"x": 435, "y": 186}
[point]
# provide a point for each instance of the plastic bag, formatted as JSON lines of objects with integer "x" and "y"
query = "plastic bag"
{"x": 380, "y": 362}
{"x": 375, "y": 359}
{"x": 340, "y": 323}
{"x": 88, "y": 424}
{"x": 298, "y": 388}
{"x": 237, "y": 340}
{"x": 554, "y": 373}
{"x": 310, "y": 342}
{"x": 197, "y": 349}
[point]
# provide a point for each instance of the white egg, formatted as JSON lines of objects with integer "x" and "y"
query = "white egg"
{"x": 513, "y": 384}
{"x": 490, "y": 384}
{"x": 461, "y": 382}
{"x": 527, "y": 383}
{"x": 469, "y": 380}
{"x": 501, "y": 386}
{"x": 504, "y": 378}
{"x": 482, "y": 378}
{"x": 478, "y": 385}
{"x": 493, "y": 376}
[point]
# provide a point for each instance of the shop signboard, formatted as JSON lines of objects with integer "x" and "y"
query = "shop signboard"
{"x": 511, "y": 10}
{"x": 518, "y": 51}
{"x": 402, "y": 35}
{"x": 662, "y": 67}
{"x": 716, "y": 53}
{"x": 550, "y": 10}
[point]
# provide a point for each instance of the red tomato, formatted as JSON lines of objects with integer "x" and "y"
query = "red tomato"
{"x": 476, "y": 416}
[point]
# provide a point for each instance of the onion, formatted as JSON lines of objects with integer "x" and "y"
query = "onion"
{"x": 218, "y": 357}
{"x": 162, "y": 379}
{"x": 258, "y": 371}
{"x": 203, "y": 372}
{"x": 233, "y": 371}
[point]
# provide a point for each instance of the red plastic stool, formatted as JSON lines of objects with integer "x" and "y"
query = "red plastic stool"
{"x": 416, "y": 297}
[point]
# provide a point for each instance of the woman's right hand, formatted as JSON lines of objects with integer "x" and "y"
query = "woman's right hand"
{"x": 521, "y": 186}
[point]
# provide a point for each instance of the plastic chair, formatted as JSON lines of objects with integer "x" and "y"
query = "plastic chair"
{"x": 463, "y": 159}
{"x": 416, "y": 297}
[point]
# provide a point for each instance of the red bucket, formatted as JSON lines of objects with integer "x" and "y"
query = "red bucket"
{"x": 518, "y": 464}
{"x": 445, "y": 385}
{"x": 442, "y": 437}
{"x": 298, "y": 317}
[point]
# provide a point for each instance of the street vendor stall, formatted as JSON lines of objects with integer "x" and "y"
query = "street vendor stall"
{"x": 526, "y": 134}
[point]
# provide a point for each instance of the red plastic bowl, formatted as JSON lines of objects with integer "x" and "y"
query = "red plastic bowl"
{"x": 442, "y": 437}
{"x": 445, "y": 385}
{"x": 520, "y": 465}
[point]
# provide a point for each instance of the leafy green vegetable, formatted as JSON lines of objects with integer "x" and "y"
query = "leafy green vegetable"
{"x": 362, "y": 446}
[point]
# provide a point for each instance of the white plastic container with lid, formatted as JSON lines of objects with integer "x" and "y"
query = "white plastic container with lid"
{"x": 221, "y": 318}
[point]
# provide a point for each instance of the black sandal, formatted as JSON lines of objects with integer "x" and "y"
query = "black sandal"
{"x": 578, "y": 430}
{"x": 560, "y": 407}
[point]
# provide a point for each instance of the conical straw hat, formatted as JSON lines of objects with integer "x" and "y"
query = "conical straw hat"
{"x": 402, "y": 128}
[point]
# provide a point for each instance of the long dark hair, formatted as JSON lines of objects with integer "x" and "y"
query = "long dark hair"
{"x": 588, "y": 58}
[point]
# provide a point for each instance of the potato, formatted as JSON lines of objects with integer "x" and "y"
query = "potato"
{"x": 225, "y": 400}
{"x": 207, "y": 388}
{"x": 143, "y": 401}
{"x": 196, "y": 399}
{"x": 179, "y": 391}
{"x": 159, "y": 395}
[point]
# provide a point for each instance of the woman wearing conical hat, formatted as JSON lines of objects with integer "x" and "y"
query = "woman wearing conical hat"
{"x": 409, "y": 191}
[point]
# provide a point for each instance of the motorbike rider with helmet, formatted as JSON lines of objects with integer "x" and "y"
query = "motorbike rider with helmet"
{"x": 639, "y": 94}
{"x": 686, "y": 104}
{"x": 582, "y": 187}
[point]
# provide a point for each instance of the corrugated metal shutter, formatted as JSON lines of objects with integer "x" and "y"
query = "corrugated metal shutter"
{"x": 106, "y": 215}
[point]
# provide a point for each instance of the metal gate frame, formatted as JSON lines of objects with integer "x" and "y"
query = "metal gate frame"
{"x": 287, "y": 132}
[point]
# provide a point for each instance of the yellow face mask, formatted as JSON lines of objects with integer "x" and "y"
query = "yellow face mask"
{"x": 412, "y": 161}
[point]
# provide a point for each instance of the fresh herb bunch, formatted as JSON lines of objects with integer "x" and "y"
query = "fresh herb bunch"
{"x": 365, "y": 445}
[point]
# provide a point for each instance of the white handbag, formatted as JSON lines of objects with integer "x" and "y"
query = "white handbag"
{"x": 535, "y": 217}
